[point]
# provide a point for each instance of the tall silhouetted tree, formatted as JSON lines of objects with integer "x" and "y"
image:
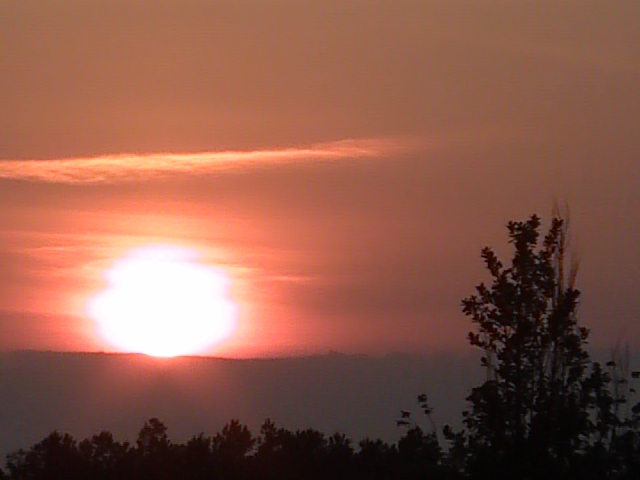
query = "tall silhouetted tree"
{"x": 544, "y": 403}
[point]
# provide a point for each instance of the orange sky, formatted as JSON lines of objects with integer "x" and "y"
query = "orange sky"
{"x": 344, "y": 160}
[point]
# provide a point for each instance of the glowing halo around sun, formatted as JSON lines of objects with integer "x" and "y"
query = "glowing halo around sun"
{"x": 160, "y": 301}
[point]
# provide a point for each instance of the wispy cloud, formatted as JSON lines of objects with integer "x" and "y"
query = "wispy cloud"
{"x": 132, "y": 167}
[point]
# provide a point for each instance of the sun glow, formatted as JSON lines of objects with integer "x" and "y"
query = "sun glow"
{"x": 160, "y": 301}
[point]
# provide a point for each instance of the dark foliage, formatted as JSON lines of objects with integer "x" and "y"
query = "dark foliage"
{"x": 233, "y": 453}
{"x": 546, "y": 410}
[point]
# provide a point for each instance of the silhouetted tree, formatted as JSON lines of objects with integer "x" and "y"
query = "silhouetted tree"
{"x": 155, "y": 458}
{"x": 545, "y": 407}
{"x": 419, "y": 454}
{"x": 104, "y": 458}
{"x": 55, "y": 457}
{"x": 376, "y": 459}
{"x": 339, "y": 459}
{"x": 269, "y": 455}
{"x": 196, "y": 459}
{"x": 230, "y": 449}
{"x": 304, "y": 452}
{"x": 152, "y": 438}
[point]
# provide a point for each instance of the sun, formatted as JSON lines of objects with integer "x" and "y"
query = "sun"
{"x": 161, "y": 301}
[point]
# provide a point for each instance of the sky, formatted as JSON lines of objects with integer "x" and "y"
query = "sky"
{"x": 344, "y": 161}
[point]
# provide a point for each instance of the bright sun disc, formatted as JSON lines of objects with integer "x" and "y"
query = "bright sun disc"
{"x": 160, "y": 301}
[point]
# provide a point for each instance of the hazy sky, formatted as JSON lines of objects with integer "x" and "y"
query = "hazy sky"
{"x": 343, "y": 160}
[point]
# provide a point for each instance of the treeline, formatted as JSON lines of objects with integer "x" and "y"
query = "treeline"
{"x": 232, "y": 454}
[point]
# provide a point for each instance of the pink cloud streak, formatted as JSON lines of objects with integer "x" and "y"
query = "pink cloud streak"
{"x": 131, "y": 167}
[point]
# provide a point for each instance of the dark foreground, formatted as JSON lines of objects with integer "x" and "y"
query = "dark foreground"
{"x": 233, "y": 453}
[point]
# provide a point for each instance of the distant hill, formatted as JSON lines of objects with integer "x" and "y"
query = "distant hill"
{"x": 83, "y": 393}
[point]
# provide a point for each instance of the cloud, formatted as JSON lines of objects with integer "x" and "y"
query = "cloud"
{"x": 132, "y": 167}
